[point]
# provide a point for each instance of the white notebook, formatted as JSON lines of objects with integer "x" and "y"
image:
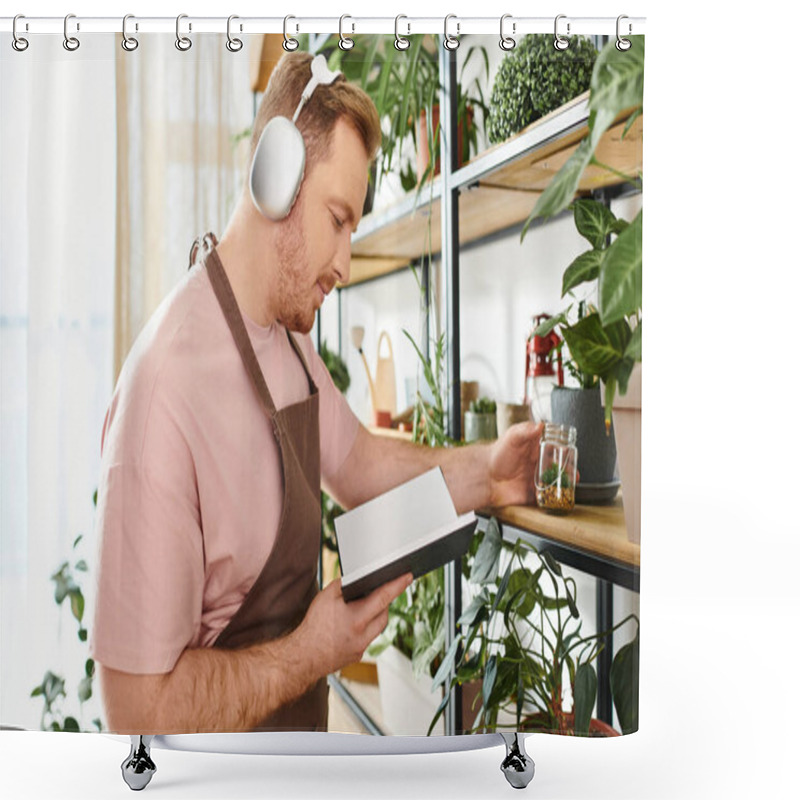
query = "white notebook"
{"x": 411, "y": 528}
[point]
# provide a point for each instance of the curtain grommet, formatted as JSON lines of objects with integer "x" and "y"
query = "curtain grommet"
{"x": 183, "y": 43}
{"x": 507, "y": 42}
{"x": 400, "y": 42}
{"x": 128, "y": 43}
{"x": 19, "y": 43}
{"x": 451, "y": 42}
{"x": 70, "y": 43}
{"x": 560, "y": 42}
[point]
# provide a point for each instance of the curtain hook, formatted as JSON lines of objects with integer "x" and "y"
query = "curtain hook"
{"x": 507, "y": 42}
{"x": 400, "y": 42}
{"x": 451, "y": 42}
{"x": 183, "y": 43}
{"x": 19, "y": 43}
{"x": 128, "y": 43}
{"x": 623, "y": 44}
{"x": 234, "y": 45}
{"x": 70, "y": 42}
{"x": 289, "y": 44}
{"x": 560, "y": 42}
{"x": 345, "y": 43}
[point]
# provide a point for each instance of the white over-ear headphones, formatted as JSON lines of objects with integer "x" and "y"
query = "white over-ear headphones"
{"x": 280, "y": 158}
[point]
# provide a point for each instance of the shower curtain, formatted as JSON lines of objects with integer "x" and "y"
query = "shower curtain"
{"x": 115, "y": 160}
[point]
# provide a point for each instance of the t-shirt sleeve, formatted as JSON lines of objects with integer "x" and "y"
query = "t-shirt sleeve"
{"x": 338, "y": 424}
{"x": 150, "y": 566}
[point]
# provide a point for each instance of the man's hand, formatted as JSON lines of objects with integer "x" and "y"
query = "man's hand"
{"x": 512, "y": 465}
{"x": 337, "y": 633}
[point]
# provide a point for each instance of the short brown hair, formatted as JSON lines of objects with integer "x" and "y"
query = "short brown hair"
{"x": 321, "y": 111}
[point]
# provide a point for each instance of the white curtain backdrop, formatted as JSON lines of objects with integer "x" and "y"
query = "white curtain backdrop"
{"x": 111, "y": 163}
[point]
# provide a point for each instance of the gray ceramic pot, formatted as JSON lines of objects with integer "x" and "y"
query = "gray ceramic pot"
{"x": 597, "y": 453}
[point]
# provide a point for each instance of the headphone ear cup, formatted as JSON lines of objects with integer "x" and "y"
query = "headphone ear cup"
{"x": 277, "y": 169}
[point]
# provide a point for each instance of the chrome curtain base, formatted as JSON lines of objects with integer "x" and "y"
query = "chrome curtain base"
{"x": 138, "y": 768}
{"x": 517, "y": 766}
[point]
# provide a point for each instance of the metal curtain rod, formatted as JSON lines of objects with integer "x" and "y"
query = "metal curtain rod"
{"x": 347, "y": 25}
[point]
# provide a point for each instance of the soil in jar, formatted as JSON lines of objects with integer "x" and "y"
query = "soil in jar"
{"x": 555, "y": 493}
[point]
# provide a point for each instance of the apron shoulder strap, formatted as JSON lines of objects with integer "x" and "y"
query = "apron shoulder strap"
{"x": 312, "y": 387}
{"x": 227, "y": 300}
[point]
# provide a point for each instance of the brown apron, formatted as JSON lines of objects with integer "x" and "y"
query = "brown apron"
{"x": 282, "y": 593}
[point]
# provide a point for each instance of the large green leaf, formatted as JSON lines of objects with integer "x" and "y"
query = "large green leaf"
{"x": 475, "y": 611}
{"x": 625, "y": 685}
{"x": 561, "y": 189}
{"x": 487, "y": 559}
{"x": 618, "y": 78}
{"x": 634, "y": 348}
{"x": 584, "y": 695}
{"x": 586, "y": 267}
{"x": 443, "y": 673}
{"x": 520, "y": 584}
{"x": 590, "y": 346}
{"x": 620, "y": 282}
{"x": 594, "y": 221}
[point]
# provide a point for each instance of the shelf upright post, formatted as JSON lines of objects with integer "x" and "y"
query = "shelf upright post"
{"x": 448, "y": 138}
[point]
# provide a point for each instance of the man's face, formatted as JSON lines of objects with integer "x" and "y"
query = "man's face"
{"x": 314, "y": 240}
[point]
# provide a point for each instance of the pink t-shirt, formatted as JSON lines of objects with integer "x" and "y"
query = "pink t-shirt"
{"x": 191, "y": 489}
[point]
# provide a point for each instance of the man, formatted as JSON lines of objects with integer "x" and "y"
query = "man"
{"x": 208, "y": 614}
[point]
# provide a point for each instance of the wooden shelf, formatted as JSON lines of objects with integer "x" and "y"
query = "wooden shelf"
{"x": 595, "y": 530}
{"x": 498, "y": 189}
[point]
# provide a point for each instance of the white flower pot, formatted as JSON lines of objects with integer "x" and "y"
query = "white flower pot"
{"x": 408, "y": 704}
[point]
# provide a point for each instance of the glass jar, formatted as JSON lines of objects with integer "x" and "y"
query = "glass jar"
{"x": 556, "y": 473}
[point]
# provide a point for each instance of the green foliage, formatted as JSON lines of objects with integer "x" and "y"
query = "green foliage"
{"x": 336, "y": 367}
{"x": 483, "y": 405}
{"x": 520, "y": 634}
{"x": 605, "y": 343}
{"x": 617, "y": 84}
{"x": 403, "y": 84}
{"x": 52, "y": 689}
{"x": 535, "y": 79}
{"x": 553, "y": 474}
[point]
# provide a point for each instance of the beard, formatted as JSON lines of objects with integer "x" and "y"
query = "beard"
{"x": 297, "y": 312}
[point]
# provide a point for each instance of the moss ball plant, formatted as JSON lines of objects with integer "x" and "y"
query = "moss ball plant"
{"x": 534, "y": 79}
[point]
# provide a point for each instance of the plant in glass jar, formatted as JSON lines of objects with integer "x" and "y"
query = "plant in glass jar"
{"x": 521, "y": 636}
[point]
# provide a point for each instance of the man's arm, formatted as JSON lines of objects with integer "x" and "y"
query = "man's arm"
{"x": 478, "y": 475}
{"x": 233, "y": 690}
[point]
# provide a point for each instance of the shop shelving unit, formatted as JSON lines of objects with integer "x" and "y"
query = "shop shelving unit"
{"x": 464, "y": 205}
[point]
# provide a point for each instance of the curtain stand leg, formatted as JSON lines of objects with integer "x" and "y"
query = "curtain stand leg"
{"x": 518, "y": 766}
{"x": 138, "y": 768}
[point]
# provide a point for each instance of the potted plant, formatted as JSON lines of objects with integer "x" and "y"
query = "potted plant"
{"x": 608, "y": 341}
{"x": 521, "y": 634}
{"x": 404, "y": 85}
{"x": 534, "y": 79}
{"x": 480, "y": 420}
{"x": 582, "y": 407}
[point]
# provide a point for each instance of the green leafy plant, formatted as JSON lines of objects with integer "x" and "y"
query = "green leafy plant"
{"x": 52, "y": 689}
{"x": 534, "y": 79}
{"x": 608, "y": 341}
{"x": 521, "y": 634}
{"x": 556, "y": 475}
{"x": 403, "y": 85}
{"x": 483, "y": 405}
